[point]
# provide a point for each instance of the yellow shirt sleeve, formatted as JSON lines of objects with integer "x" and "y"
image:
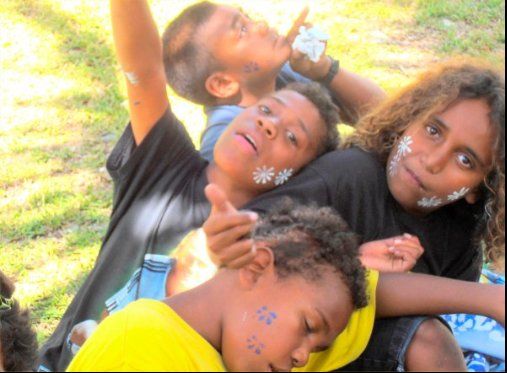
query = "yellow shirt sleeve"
{"x": 146, "y": 336}
{"x": 353, "y": 340}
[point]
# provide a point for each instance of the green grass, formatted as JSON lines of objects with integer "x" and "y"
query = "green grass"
{"x": 63, "y": 107}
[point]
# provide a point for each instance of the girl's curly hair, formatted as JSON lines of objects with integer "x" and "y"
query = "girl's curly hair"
{"x": 431, "y": 93}
{"x": 17, "y": 339}
{"x": 305, "y": 238}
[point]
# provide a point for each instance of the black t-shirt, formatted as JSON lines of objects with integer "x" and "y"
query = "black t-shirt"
{"x": 158, "y": 198}
{"x": 354, "y": 183}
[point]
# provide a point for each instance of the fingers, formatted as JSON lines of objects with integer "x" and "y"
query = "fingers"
{"x": 243, "y": 260}
{"x": 404, "y": 258}
{"x": 224, "y": 239}
{"x": 219, "y": 223}
{"x": 406, "y": 240}
{"x": 218, "y": 199}
{"x": 300, "y": 21}
{"x": 235, "y": 255}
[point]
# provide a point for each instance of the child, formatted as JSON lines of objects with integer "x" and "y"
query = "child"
{"x": 160, "y": 177}
{"x": 430, "y": 162}
{"x": 296, "y": 297}
{"x": 217, "y": 56}
{"x": 18, "y": 343}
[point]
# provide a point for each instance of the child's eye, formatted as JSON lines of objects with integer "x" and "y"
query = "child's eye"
{"x": 308, "y": 328}
{"x": 265, "y": 109}
{"x": 465, "y": 161}
{"x": 292, "y": 138}
{"x": 243, "y": 30}
{"x": 432, "y": 130}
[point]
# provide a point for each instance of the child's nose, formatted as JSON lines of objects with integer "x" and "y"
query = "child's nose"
{"x": 435, "y": 161}
{"x": 300, "y": 357}
{"x": 268, "y": 126}
{"x": 261, "y": 27}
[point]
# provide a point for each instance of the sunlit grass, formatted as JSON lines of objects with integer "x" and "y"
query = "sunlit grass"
{"x": 62, "y": 107}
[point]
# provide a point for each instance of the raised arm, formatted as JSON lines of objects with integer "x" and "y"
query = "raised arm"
{"x": 356, "y": 94}
{"x": 400, "y": 294}
{"x": 139, "y": 51}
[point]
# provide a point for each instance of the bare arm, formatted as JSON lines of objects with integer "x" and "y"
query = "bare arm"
{"x": 139, "y": 52}
{"x": 356, "y": 94}
{"x": 400, "y": 294}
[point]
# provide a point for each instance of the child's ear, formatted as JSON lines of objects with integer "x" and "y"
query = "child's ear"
{"x": 262, "y": 264}
{"x": 222, "y": 85}
{"x": 472, "y": 196}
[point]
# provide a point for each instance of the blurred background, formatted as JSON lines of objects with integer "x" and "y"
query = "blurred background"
{"x": 62, "y": 107}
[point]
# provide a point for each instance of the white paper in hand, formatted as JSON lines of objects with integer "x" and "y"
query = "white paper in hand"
{"x": 311, "y": 42}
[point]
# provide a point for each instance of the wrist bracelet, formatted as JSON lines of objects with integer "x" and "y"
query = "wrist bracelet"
{"x": 333, "y": 70}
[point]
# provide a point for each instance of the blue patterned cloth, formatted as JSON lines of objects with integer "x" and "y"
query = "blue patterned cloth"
{"x": 481, "y": 338}
{"x": 147, "y": 282}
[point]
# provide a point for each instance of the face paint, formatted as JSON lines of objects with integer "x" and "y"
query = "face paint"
{"x": 458, "y": 194}
{"x": 263, "y": 175}
{"x": 401, "y": 151}
{"x": 132, "y": 77}
{"x": 283, "y": 176}
{"x": 264, "y": 315}
{"x": 251, "y": 67}
{"x": 429, "y": 202}
{"x": 254, "y": 345}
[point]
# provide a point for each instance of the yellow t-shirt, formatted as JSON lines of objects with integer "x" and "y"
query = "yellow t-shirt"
{"x": 146, "y": 336}
{"x": 353, "y": 340}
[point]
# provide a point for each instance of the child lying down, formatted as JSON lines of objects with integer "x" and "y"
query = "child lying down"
{"x": 304, "y": 301}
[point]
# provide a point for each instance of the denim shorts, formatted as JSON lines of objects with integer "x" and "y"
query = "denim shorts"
{"x": 388, "y": 344}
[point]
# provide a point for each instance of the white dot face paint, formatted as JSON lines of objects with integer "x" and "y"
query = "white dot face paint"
{"x": 458, "y": 194}
{"x": 132, "y": 77}
{"x": 283, "y": 176}
{"x": 263, "y": 175}
{"x": 402, "y": 150}
{"x": 429, "y": 202}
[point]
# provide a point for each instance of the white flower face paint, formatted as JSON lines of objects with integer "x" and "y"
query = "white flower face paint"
{"x": 458, "y": 194}
{"x": 401, "y": 151}
{"x": 429, "y": 202}
{"x": 283, "y": 176}
{"x": 393, "y": 167}
{"x": 132, "y": 77}
{"x": 404, "y": 146}
{"x": 263, "y": 175}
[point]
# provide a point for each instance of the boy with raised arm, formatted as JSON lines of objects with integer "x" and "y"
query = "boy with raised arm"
{"x": 159, "y": 176}
{"x": 217, "y": 56}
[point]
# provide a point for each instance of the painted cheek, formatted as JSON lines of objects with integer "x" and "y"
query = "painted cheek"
{"x": 251, "y": 67}
{"x": 402, "y": 149}
{"x": 265, "y": 315}
{"x": 266, "y": 174}
{"x": 458, "y": 194}
{"x": 255, "y": 345}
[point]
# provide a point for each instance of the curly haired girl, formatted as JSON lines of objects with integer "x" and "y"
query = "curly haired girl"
{"x": 430, "y": 162}
{"x": 458, "y": 82}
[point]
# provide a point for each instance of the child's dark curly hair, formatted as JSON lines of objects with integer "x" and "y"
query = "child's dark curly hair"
{"x": 319, "y": 96}
{"x": 304, "y": 238}
{"x": 18, "y": 341}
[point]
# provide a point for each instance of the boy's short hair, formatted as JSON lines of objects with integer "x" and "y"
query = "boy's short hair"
{"x": 305, "y": 238}
{"x": 17, "y": 339}
{"x": 319, "y": 96}
{"x": 188, "y": 62}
